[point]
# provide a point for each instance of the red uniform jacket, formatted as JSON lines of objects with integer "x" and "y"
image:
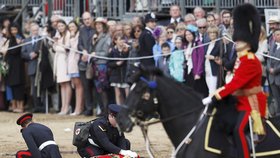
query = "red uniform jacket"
{"x": 246, "y": 84}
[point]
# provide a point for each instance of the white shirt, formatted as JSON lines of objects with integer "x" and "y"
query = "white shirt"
{"x": 147, "y": 28}
{"x": 172, "y": 20}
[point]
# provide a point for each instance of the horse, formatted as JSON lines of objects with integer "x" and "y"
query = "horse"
{"x": 180, "y": 109}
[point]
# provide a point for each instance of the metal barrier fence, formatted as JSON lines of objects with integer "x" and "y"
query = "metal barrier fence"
{"x": 19, "y": 2}
{"x": 115, "y": 9}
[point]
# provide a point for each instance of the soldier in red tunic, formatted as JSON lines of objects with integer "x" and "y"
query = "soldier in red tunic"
{"x": 246, "y": 82}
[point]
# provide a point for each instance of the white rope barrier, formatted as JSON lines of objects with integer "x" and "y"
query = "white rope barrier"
{"x": 25, "y": 43}
{"x": 130, "y": 58}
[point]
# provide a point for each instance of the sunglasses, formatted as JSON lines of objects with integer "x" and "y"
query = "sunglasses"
{"x": 138, "y": 31}
{"x": 202, "y": 27}
{"x": 170, "y": 32}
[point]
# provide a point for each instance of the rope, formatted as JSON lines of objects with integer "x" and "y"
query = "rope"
{"x": 131, "y": 58}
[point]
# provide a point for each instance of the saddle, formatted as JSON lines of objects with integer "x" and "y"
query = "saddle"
{"x": 269, "y": 145}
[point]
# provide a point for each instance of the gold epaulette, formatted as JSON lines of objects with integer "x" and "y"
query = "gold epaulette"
{"x": 249, "y": 55}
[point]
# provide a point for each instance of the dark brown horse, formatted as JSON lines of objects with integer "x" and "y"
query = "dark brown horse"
{"x": 180, "y": 108}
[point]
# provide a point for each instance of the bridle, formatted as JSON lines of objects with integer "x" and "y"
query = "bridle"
{"x": 146, "y": 97}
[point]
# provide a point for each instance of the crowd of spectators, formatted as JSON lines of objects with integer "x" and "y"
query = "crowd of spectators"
{"x": 196, "y": 50}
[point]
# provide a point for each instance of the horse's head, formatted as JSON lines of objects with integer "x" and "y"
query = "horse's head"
{"x": 141, "y": 103}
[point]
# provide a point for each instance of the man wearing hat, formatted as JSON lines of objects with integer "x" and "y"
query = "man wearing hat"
{"x": 38, "y": 138}
{"x": 246, "y": 82}
{"x": 147, "y": 41}
{"x": 273, "y": 24}
{"x": 105, "y": 138}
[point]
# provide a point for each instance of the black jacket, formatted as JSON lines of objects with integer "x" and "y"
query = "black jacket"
{"x": 36, "y": 134}
{"x": 146, "y": 43}
{"x": 106, "y": 136}
{"x": 117, "y": 72}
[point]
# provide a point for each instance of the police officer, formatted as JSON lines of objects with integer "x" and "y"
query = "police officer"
{"x": 38, "y": 138}
{"x": 147, "y": 41}
{"x": 105, "y": 137}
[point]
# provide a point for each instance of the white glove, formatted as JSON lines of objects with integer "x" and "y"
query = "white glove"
{"x": 129, "y": 153}
{"x": 207, "y": 100}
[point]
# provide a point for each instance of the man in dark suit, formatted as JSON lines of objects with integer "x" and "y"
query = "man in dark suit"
{"x": 85, "y": 45}
{"x": 147, "y": 41}
{"x": 175, "y": 16}
{"x": 30, "y": 53}
{"x": 273, "y": 68}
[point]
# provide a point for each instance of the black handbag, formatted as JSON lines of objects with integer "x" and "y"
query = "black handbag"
{"x": 81, "y": 133}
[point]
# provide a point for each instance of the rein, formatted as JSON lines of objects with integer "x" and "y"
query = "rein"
{"x": 144, "y": 128}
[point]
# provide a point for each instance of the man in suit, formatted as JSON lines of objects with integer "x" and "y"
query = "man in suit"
{"x": 147, "y": 41}
{"x": 30, "y": 53}
{"x": 273, "y": 67}
{"x": 85, "y": 45}
{"x": 273, "y": 24}
{"x": 175, "y": 16}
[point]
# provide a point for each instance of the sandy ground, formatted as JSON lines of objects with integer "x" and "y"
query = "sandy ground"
{"x": 62, "y": 126}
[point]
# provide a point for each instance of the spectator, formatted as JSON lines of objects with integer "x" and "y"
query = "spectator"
{"x": 134, "y": 51}
{"x": 101, "y": 42}
{"x": 118, "y": 67}
{"x": 189, "y": 19}
{"x": 195, "y": 64}
{"x": 226, "y": 21}
{"x": 147, "y": 41}
{"x": 30, "y": 53}
{"x": 211, "y": 20}
{"x": 229, "y": 58}
{"x": 212, "y": 53}
{"x": 159, "y": 34}
{"x": 112, "y": 26}
{"x": 4, "y": 44}
{"x": 263, "y": 49}
{"x": 198, "y": 13}
{"x": 163, "y": 61}
{"x": 137, "y": 20}
{"x": 177, "y": 60}
{"x": 273, "y": 23}
{"x": 85, "y": 45}
{"x": 180, "y": 29}
{"x": 202, "y": 28}
{"x": 73, "y": 70}
{"x": 119, "y": 28}
{"x": 127, "y": 29}
{"x": 273, "y": 67}
{"x": 175, "y": 14}
{"x": 54, "y": 20}
{"x": 217, "y": 19}
{"x": 170, "y": 30}
{"x": 61, "y": 48}
{"x": 6, "y": 23}
{"x": 15, "y": 77}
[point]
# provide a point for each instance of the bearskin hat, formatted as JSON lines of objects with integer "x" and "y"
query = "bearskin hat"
{"x": 247, "y": 25}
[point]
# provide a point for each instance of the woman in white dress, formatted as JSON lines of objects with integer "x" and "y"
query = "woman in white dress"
{"x": 62, "y": 42}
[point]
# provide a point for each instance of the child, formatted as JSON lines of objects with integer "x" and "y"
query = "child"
{"x": 163, "y": 61}
{"x": 118, "y": 67}
{"x": 177, "y": 60}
